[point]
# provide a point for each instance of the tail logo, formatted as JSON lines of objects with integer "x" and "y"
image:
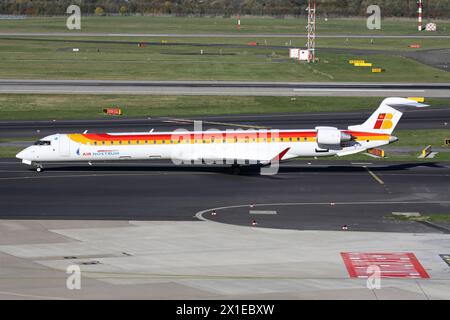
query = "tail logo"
{"x": 384, "y": 121}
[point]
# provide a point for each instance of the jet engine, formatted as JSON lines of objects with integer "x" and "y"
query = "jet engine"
{"x": 331, "y": 136}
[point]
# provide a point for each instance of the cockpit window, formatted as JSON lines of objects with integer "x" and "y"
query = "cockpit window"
{"x": 42, "y": 143}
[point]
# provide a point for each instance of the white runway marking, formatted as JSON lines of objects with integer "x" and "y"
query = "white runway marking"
{"x": 262, "y": 212}
{"x": 199, "y": 215}
{"x": 374, "y": 176}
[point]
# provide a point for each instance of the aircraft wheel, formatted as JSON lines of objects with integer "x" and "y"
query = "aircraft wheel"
{"x": 235, "y": 170}
{"x": 39, "y": 169}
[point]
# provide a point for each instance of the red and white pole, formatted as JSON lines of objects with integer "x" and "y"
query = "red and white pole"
{"x": 309, "y": 33}
{"x": 238, "y": 26}
{"x": 419, "y": 11}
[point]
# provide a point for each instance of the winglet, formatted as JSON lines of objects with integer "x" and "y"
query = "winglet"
{"x": 280, "y": 156}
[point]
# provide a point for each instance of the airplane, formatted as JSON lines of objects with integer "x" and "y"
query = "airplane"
{"x": 234, "y": 147}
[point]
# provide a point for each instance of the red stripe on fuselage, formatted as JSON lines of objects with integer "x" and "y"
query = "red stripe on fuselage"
{"x": 365, "y": 134}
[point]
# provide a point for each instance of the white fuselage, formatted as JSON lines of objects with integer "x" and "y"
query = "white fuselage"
{"x": 246, "y": 147}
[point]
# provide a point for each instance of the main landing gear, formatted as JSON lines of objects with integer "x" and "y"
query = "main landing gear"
{"x": 39, "y": 168}
{"x": 235, "y": 169}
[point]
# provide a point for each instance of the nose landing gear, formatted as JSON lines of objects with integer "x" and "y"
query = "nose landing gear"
{"x": 39, "y": 168}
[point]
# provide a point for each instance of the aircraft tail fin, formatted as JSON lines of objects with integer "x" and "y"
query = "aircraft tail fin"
{"x": 386, "y": 117}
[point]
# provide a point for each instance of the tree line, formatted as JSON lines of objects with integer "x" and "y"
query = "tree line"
{"x": 279, "y": 8}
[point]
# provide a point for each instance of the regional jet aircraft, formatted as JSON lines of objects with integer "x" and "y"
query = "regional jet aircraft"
{"x": 233, "y": 147}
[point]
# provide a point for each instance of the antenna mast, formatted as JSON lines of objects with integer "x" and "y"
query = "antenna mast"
{"x": 311, "y": 27}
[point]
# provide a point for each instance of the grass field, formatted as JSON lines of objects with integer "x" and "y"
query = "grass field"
{"x": 180, "y": 59}
{"x": 66, "y": 106}
{"x": 263, "y": 43}
{"x": 9, "y": 152}
{"x": 55, "y": 60}
{"x": 217, "y": 25}
{"x": 422, "y": 137}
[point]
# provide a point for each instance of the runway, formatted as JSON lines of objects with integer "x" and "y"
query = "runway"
{"x": 225, "y": 88}
{"x": 301, "y": 193}
{"x": 429, "y": 118}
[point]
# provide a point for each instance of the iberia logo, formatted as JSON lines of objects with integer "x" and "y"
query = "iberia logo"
{"x": 383, "y": 121}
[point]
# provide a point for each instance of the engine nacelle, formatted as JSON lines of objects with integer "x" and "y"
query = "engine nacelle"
{"x": 331, "y": 136}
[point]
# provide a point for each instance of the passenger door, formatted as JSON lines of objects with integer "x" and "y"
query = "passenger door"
{"x": 64, "y": 145}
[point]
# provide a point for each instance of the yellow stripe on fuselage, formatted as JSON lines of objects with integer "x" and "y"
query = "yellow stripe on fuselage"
{"x": 77, "y": 137}
{"x": 373, "y": 138}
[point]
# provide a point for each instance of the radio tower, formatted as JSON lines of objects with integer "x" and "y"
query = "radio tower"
{"x": 311, "y": 27}
{"x": 419, "y": 17}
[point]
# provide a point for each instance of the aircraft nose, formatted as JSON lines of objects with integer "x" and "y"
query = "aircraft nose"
{"x": 25, "y": 154}
{"x": 21, "y": 154}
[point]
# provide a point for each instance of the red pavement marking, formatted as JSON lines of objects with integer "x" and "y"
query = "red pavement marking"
{"x": 392, "y": 265}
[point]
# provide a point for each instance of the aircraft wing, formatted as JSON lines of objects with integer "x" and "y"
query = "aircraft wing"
{"x": 248, "y": 156}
